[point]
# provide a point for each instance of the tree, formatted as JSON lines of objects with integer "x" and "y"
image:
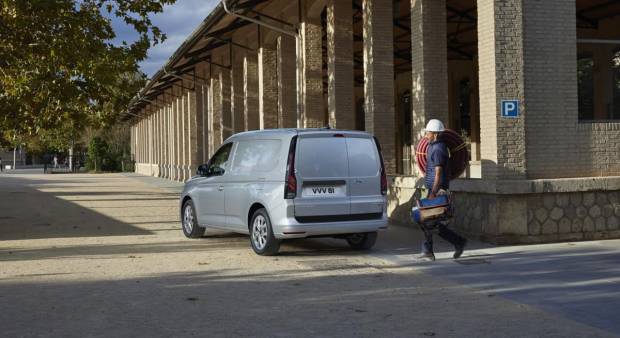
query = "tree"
{"x": 59, "y": 67}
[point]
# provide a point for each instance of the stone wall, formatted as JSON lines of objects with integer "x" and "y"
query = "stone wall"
{"x": 551, "y": 217}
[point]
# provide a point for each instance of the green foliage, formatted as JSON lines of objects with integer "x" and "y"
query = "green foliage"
{"x": 60, "y": 68}
{"x": 109, "y": 150}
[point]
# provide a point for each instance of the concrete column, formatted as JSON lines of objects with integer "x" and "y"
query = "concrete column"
{"x": 310, "y": 74}
{"x": 250, "y": 92}
{"x": 267, "y": 88}
{"x": 175, "y": 137}
{"x": 203, "y": 105}
{"x": 237, "y": 92}
{"x": 429, "y": 91}
{"x": 500, "y": 63}
{"x": 287, "y": 82}
{"x": 340, "y": 99}
{"x": 379, "y": 77}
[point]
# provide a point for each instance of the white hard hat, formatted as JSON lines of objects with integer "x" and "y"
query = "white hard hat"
{"x": 434, "y": 126}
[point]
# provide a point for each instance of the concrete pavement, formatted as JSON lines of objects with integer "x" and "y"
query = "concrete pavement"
{"x": 103, "y": 256}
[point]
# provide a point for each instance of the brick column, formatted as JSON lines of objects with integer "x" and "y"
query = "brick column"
{"x": 551, "y": 99}
{"x": 215, "y": 114}
{"x": 340, "y": 99}
{"x": 429, "y": 91}
{"x": 310, "y": 75}
{"x": 237, "y": 100}
{"x": 184, "y": 135}
{"x": 379, "y": 77}
{"x": 178, "y": 136}
{"x": 287, "y": 82}
{"x": 194, "y": 128}
{"x": 267, "y": 88}
{"x": 227, "y": 119}
{"x": 500, "y": 63}
{"x": 250, "y": 92}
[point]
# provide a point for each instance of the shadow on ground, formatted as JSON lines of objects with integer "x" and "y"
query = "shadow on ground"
{"x": 28, "y": 213}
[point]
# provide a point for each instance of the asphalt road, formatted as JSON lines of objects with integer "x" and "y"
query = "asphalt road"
{"x": 103, "y": 256}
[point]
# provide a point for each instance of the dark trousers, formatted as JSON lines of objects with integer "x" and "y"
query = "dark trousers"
{"x": 445, "y": 233}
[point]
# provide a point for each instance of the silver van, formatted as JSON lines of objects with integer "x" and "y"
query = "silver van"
{"x": 290, "y": 183}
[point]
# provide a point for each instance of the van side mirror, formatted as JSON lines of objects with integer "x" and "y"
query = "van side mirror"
{"x": 202, "y": 170}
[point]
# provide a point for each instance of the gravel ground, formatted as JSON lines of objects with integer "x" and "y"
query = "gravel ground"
{"x": 103, "y": 256}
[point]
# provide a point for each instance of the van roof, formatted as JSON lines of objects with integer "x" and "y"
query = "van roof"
{"x": 291, "y": 131}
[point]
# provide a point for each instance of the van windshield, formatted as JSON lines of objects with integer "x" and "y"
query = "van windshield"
{"x": 325, "y": 157}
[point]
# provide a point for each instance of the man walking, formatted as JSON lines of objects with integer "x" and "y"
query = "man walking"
{"x": 1, "y": 167}
{"x": 437, "y": 182}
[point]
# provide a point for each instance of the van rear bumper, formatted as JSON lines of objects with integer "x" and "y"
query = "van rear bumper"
{"x": 294, "y": 229}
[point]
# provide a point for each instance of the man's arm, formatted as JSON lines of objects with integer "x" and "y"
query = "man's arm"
{"x": 436, "y": 182}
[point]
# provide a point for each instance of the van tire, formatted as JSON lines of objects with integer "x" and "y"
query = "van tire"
{"x": 362, "y": 241}
{"x": 189, "y": 221}
{"x": 263, "y": 241}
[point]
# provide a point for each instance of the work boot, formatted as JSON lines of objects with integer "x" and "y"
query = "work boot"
{"x": 427, "y": 255}
{"x": 458, "y": 249}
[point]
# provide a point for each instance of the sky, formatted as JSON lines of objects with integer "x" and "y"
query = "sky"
{"x": 177, "y": 22}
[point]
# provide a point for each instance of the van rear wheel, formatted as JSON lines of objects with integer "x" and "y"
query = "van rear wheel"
{"x": 362, "y": 241}
{"x": 263, "y": 241}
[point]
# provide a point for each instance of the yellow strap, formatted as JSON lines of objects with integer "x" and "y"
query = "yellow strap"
{"x": 419, "y": 153}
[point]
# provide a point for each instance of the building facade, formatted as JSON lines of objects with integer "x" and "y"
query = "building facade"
{"x": 533, "y": 86}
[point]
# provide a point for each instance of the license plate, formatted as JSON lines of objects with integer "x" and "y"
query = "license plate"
{"x": 317, "y": 191}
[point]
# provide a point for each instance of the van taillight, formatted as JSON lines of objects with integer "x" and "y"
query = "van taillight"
{"x": 384, "y": 183}
{"x": 290, "y": 186}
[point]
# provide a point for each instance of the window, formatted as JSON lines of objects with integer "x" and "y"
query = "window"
{"x": 585, "y": 79}
{"x": 322, "y": 157}
{"x": 363, "y": 160}
{"x": 256, "y": 156}
{"x": 217, "y": 164}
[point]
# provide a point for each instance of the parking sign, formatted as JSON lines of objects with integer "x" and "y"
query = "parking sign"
{"x": 510, "y": 108}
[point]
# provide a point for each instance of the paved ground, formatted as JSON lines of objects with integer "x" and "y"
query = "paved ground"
{"x": 103, "y": 256}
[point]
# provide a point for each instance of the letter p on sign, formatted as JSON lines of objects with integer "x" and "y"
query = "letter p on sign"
{"x": 510, "y": 108}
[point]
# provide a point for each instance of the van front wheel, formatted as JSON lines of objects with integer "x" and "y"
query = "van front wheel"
{"x": 362, "y": 241}
{"x": 263, "y": 241}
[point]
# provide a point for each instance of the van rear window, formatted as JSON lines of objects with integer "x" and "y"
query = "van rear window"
{"x": 363, "y": 161}
{"x": 322, "y": 157}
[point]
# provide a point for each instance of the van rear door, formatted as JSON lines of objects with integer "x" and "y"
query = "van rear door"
{"x": 323, "y": 177}
{"x": 364, "y": 176}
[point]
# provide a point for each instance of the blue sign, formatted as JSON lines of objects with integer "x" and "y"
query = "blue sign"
{"x": 510, "y": 108}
